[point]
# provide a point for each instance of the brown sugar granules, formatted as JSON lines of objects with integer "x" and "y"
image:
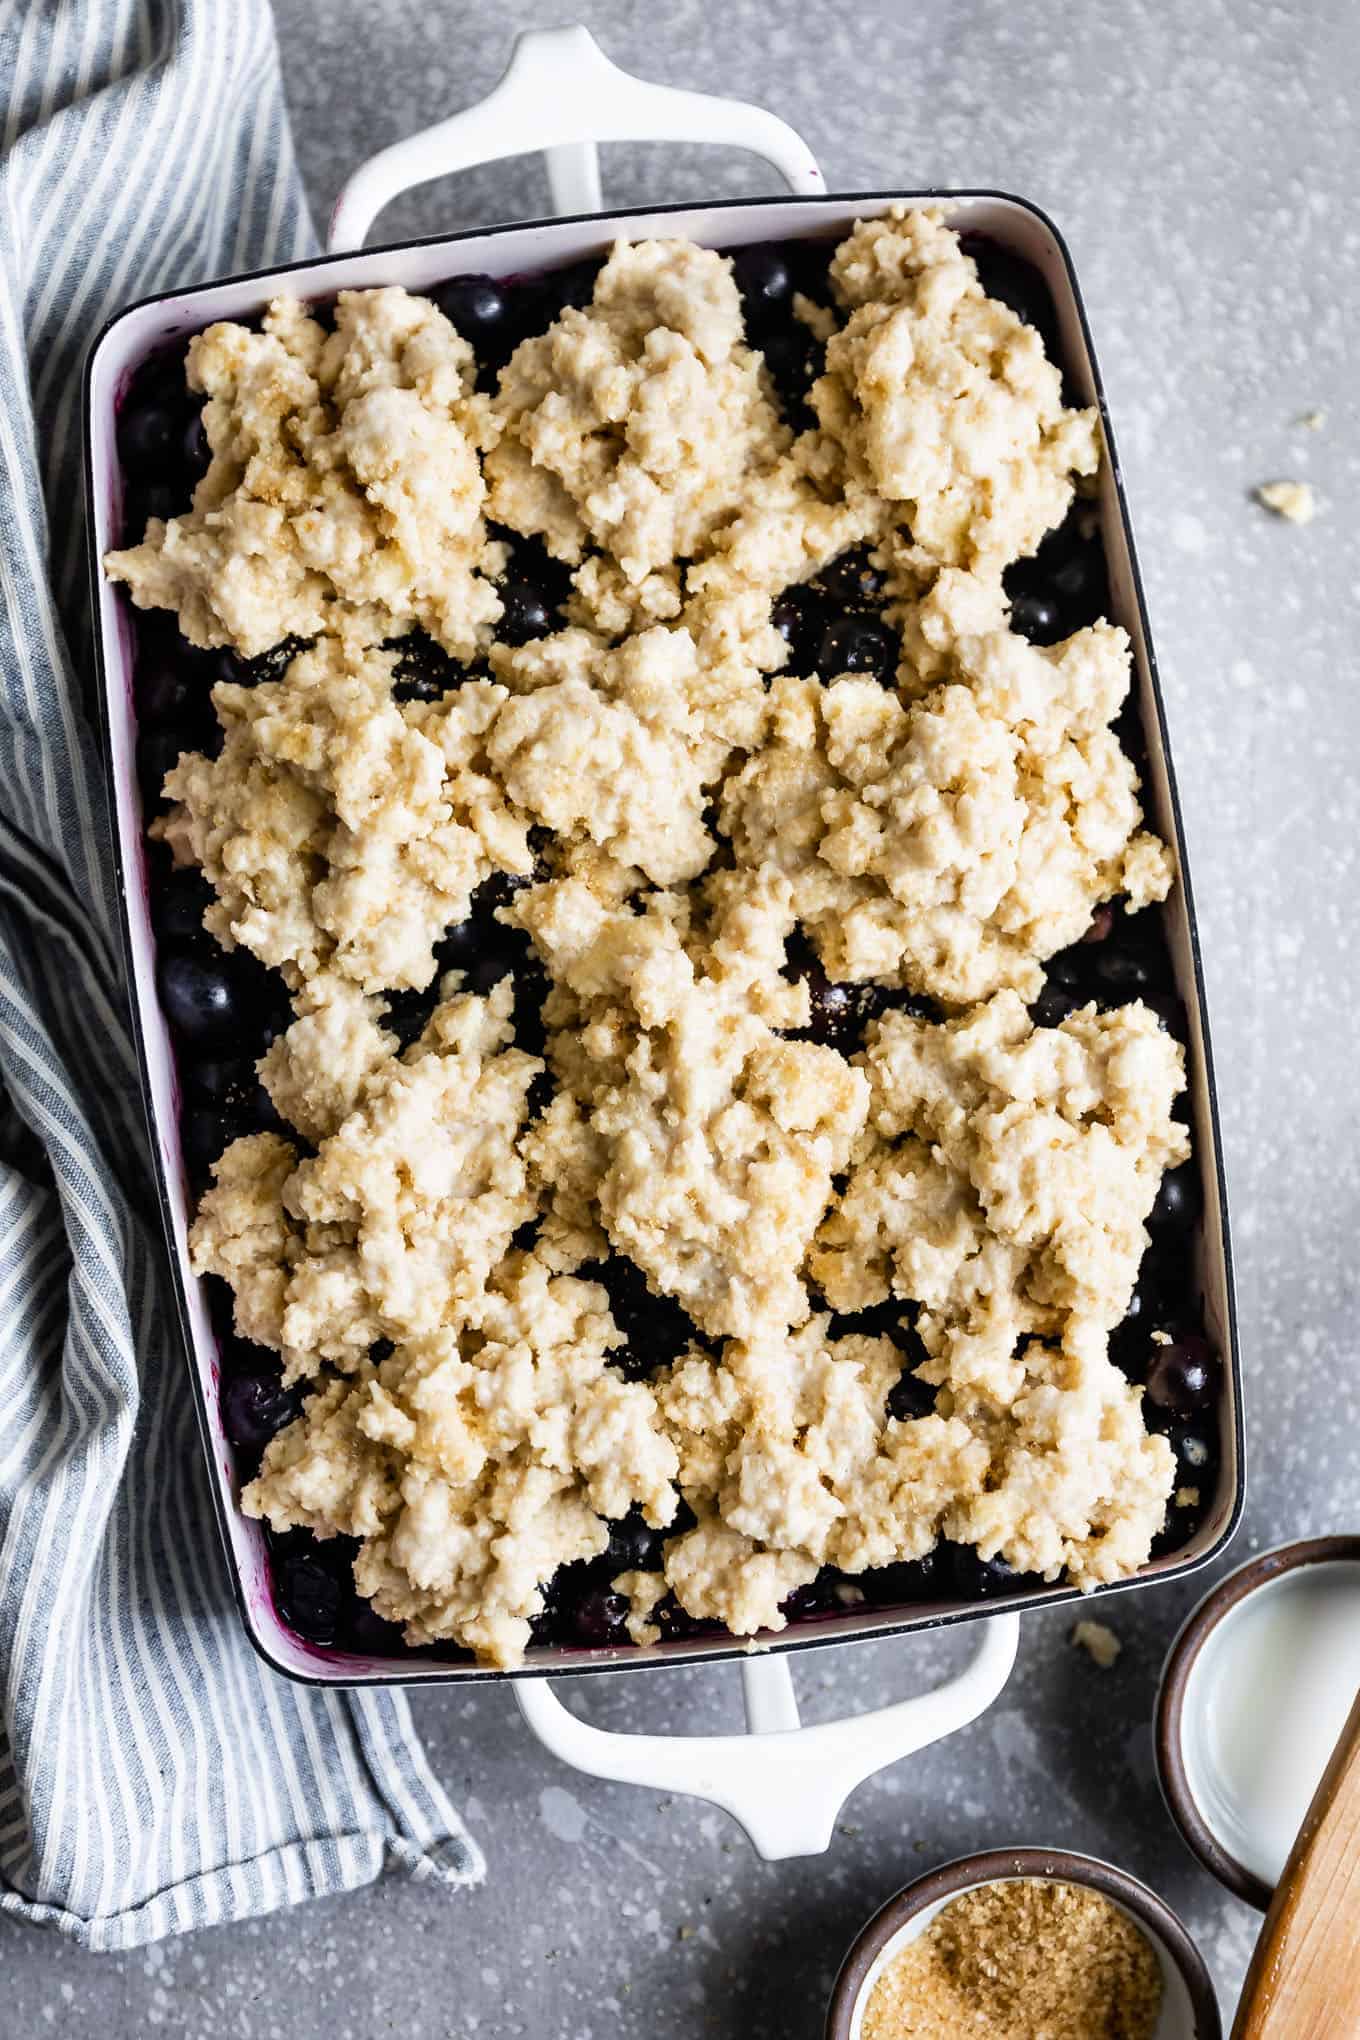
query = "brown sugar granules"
{"x": 1021, "y": 1960}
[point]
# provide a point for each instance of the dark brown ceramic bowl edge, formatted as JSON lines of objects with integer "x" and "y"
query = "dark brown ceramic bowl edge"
{"x": 1062, "y": 1866}
{"x": 1168, "y": 1739}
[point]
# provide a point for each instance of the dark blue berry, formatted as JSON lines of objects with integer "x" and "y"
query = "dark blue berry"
{"x": 974, "y": 1578}
{"x": 1182, "y": 1376}
{"x": 475, "y": 305}
{"x": 1034, "y": 615}
{"x": 525, "y": 613}
{"x": 158, "y": 752}
{"x": 178, "y": 906}
{"x": 255, "y": 1407}
{"x": 656, "y": 1329}
{"x": 201, "y": 1140}
{"x": 211, "y": 1079}
{"x": 195, "y": 452}
{"x": 458, "y": 944}
{"x": 859, "y": 644}
{"x": 310, "y": 1597}
{"x": 1016, "y": 283}
{"x": 801, "y": 617}
{"x": 198, "y": 996}
{"x": 599, "y": 1616}
{"x": 1053, "y": 1005}
{"x": 763, "y": 278}
{"x": 149, "y": 434}
{"x": 163, "y": 690}
{"x": 794, "y": 359}
{"x": 370, "y": 1634}
{"x": 1179, "y": 1200}
{"x": 1124, "y": 971}
{"x": 634, "y": 1546}
{"x": 1102, "y": 922}
{"x": 573, "y": 286}
{"x": 486, "y": 972}
{"x": 909, "y": 1398}
{"x": 816, "y": 1597}
{"x": 890, "y": 1586}
{"x": 852, "y": 580}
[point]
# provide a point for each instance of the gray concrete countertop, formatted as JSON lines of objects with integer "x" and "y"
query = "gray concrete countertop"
{"x": 1200, "y": 162}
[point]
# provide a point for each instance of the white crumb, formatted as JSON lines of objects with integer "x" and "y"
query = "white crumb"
{"x": 1294, "y": 501}
{"x": 1099, "y": 1641}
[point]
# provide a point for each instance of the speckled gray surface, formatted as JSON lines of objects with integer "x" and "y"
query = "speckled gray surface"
{"x": 1199, "y": 160}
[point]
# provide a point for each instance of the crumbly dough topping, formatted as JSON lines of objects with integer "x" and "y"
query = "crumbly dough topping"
{"x": 473, "y": 1465}
{"x": 692, "y": 810}
{"x": 345, "y": 491}
{"x": 392, "y": 1229}
{"x": 631, "y": 426}
{"x": 945, "y": 398}
{"x": 342, "y": 831}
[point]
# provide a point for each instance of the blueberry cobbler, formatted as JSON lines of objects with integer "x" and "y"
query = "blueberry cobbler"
{"x": 682, "y": 1075}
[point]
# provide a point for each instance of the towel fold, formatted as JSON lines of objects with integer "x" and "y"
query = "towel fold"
{"x": 154, "y": 1775}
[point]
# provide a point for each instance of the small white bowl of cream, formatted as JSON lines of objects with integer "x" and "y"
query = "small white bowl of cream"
{"x": 1256, "y": 1689}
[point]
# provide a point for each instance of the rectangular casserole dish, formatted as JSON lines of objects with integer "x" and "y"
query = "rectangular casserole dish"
{"x": 509, "y": 251}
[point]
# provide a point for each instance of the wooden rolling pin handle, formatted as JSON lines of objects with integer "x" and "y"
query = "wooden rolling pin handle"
{"x": 1304, "y": 1980}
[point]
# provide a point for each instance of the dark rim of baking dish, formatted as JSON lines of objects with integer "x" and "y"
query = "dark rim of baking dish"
{"x": 1054, "y": 1866}
{"x": 698, "y": 1650}
{"x": 1168, "y": 1717}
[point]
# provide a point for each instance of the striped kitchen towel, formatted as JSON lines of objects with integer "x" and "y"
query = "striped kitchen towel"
{"x": 154, "y": 1776}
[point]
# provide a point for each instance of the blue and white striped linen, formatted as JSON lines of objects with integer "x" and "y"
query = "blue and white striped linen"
{"x": 154, "y": 1775}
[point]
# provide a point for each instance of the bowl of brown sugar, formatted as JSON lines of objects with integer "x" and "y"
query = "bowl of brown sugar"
{"x": 1024, "y": 1944}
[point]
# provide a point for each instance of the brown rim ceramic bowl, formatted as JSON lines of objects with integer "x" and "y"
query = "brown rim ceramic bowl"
{"x": 1184, "y": 1767}
{"x": 1189, "y": 2004}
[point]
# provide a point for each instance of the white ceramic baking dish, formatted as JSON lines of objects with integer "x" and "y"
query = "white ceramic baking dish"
{"x": 561, "y": 95}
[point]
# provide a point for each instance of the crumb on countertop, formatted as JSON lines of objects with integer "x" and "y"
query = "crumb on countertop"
{"x": 1099, "y": 1642}
{"x": 1312, "y": 421}
{"x": 1294, "y": 501}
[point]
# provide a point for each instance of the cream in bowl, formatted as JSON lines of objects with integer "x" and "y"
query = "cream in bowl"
{"x": 1256, "y": 1690}
{"x": 1014, "y": 1942}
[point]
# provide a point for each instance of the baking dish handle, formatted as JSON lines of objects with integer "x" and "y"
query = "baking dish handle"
{"x": 783, "y": 1783}
{"x": 562, "y": 95}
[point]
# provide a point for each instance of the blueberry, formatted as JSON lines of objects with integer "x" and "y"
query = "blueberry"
{"x": 1182, "y": 1376}
{"x": 1179, "y": 1200}
{"x": 831, "y": 1009}
{"x": 763, "y": 278}
{"x": 198, "y": 996}
{"x": 889, "y": 1586}
{"x": 599, "y": 1616}
{"x": 852, "y": 580}
{"x": 1034, "y": 615}
{"x": 1102, "y": 921}
{"x": 1065, "y": 969}
{"x": 815, "y": 1597}
{"x": 909, "y": 1398}
{"x": 1195, "y": 1455}
{"x": 163, "y": 691}
{"x": 371, "y": 1634}
{"x": 201, "y": 1140}
{"x": 974, "y": 1578}
{"x": 525, "y": 613}
{"x": 310, "y": 1597}
{"x": 487, "y": 971}
{"x": 634, "y": 1546}
{"x": 458, "y": 944}
{"x": 158, "y": 752}
{"x": 1124, "y": 971}
{"x": 257, "y": 1406}
{"x": 149, "y": 433}
{"x": 475, "y": 305}
{"x": 678, "y": 1626}
{"x": 1053, "y": 1005}
{"x": 210, "y": 1079}
{"x": 194, "y": 450}
{"x": 794, "y": 359}
{"x": 656, "y": 1329}
{"x": 859, "y": 644}
{"x": 178, "y": 906}
{"x": 573, "y": 286}
{"x": 424, "y": 670}
{"x": 801, "y": 618}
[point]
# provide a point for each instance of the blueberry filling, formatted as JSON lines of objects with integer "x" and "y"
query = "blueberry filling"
{"x": 225, "y": 1008}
